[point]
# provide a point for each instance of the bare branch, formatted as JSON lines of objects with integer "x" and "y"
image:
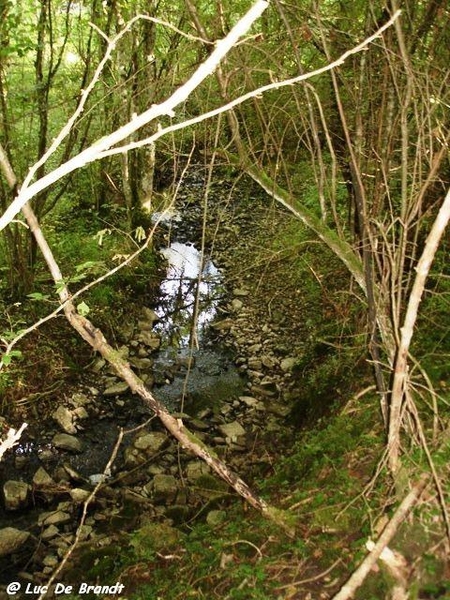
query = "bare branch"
{"x": 400, "y": 380}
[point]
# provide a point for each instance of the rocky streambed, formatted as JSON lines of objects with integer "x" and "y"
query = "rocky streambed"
{"x": 229, "y": 377}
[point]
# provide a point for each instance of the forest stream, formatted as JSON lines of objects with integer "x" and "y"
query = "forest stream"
{"x": 174, "y": 344}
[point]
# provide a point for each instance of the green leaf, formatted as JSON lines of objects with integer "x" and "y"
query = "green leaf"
{"x": 38, "y": 296}
{"x": 7, "y": 358}
{"x": 86, "y": 265}
{"x": 83, "y": 309}
{"x": 60, "y": 285}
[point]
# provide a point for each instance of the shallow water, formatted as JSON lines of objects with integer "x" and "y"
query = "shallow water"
{"x": 189, "y": 296}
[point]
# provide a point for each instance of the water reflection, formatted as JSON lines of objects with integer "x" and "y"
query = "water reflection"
{"x": 189, "y": 295}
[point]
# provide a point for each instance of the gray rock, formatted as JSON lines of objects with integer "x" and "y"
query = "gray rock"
{"x": 116, "y": 389}
{"x": 280, "y": 410}
{"x": 254, "y": 348}
{"x": 145, "y": 325}
{"x": 248, "y": 401}
{"x": 64, "y": 441}
{"x": 126, "y": 331}
{"x": 50, "y": 532}
{"x": 98, "y": 365}
{"x": 187, "y": 362}
{"x": 287, "y": 364}
{"x": 196, "y": 469}
{"x": 149, "y": 315}
{"x": 164, "y": 489}
{"x": 241, "y": 292}
{"x": 79, "y": 495}
{"x": 216, "y": 517}
{"x": 232, "y": 430}
{"x": 11, "y": 539}
{"x": 51, "y": 561}
{"x": 151, "y": 442}
{"x": 268, "y": 362}
{"x": 42, "y": 479}
{"x": 68, "y": 472}
{"x": 236, "y": 305}
{"x": 143, "y": 364}
{"x": 150, "y": 339}
{"x": 64, "y": 417}
{"x": 254, "y": 364}
{"x": 16, "y": 494}
{"x": 81, "y": 413}
{"x": 79, "y": 399}
{"x": 56, "y": 517}
{"x": 223, "y": 325}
